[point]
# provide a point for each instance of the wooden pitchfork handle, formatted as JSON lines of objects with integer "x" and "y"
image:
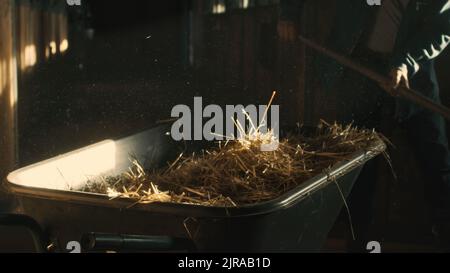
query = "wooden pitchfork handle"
{"x": 402, "y": 91}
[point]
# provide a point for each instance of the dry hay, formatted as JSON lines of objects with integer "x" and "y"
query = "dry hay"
{"x": 237, "y": 172}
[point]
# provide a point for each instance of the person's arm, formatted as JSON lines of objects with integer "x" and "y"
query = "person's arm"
{"x": 426, "y": 45}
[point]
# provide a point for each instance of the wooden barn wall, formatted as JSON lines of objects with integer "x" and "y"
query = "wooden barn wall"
{"x": 317, "y": 23}
{"x": 239, "y": 54}
{"x": 8, "y": 89}
{"x": 42, "y": 30}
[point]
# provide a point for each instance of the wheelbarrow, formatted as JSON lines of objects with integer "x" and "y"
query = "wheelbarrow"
{"x": 59, "y": 215}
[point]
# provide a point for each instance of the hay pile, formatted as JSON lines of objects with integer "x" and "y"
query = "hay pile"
{"x": 237, "y": 172}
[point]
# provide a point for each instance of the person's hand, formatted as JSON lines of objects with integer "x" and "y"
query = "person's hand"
{"x": 398, "y": 77}
{"x": 287, "y": 31}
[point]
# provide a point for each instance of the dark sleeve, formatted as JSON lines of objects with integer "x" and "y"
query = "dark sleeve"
{"x": 427, "y": 43}
{"x": 290, "y": 9}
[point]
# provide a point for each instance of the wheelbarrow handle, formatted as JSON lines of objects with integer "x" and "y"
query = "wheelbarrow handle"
{"x": 120, "y": 242}
{"x": 24, "y": 221}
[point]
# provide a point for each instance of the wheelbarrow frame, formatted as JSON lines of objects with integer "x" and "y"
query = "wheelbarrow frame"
{"x": 268, "y": 226}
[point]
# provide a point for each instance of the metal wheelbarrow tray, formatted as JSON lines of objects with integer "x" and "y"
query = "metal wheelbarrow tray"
{"x": 297, "y": 221}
